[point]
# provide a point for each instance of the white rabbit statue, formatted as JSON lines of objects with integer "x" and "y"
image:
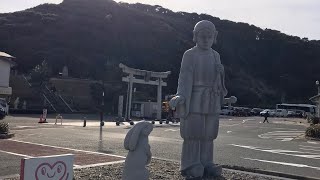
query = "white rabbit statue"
{"x": 136, "y": 141}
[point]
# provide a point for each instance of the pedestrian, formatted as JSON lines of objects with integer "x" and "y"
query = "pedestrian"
{"x": 266, "y": 115}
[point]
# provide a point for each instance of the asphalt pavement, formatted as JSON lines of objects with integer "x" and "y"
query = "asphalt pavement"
{"x": 242, "y": 142}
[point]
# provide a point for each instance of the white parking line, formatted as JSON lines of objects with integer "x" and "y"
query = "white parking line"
{"x": 245, "y": 120}
{"x": 99, "y": 164}
{"x": 173, "y": 130}
{"x": 284, "y": 163}
{"x": 16, "y": 154}
{"x": 281, "y": 135}
{"x": 310, "y": 146}
{"x": 318, "y": 150}
{"x": 312, "y": 142}
{"x": 90, "y": 152}
{"x": 302, "y": 154}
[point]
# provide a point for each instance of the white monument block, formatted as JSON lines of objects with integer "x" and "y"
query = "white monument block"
{"x": 47, "y": 167}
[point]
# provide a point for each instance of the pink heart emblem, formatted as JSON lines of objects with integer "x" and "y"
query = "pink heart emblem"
{"x": 46, "y": 171}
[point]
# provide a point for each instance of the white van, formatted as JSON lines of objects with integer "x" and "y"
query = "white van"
{"x": 4, "y": 105}
{"x": 281, "y": 113}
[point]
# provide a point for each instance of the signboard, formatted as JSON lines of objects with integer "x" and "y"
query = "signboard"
{"x": 5, "y": 90}
{"x": 58, "y": 167}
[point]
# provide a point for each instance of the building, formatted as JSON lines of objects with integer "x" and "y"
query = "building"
{"x": 6, "y": 62}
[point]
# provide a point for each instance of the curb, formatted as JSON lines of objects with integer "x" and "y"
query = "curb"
{"x": 256, "y": 171}
{"x": 270, "y": 173}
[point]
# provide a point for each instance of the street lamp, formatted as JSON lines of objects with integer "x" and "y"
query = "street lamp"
{"x": 317, "y": 83}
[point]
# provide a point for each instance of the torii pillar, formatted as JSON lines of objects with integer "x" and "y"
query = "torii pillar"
{"x": 147, "y": 76}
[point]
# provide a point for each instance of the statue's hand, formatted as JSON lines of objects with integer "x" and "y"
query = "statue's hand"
{"x": 176, "y": 101}
{"x": 220, "y": 68}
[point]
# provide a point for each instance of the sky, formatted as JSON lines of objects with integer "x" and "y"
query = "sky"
{"x": 294, "y": 17}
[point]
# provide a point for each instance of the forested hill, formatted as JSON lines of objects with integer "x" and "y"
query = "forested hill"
{"x": 86, "y": 35}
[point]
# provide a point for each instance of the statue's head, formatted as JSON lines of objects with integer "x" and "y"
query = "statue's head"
{"x": 138, "y": 132}
{"x": 205, "y": 34}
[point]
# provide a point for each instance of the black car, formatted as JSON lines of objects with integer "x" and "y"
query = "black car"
{"x": 2, "y": 113}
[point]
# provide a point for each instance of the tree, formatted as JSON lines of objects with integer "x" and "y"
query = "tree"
{"x": 40, "y": 73}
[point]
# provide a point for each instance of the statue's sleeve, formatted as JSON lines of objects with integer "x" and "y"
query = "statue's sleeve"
{"x": 186, "y": 75}
{"x": 185, "y": 83}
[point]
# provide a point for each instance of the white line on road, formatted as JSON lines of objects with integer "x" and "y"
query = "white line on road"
{"x": 284, "y": 163}
{"x": 301, "y": 154}
{"x": 281, "y": 135}
{"x": 78, "y": 150}
{"x": 16, "y": 154}
{"x": 318, "y": 150}
{"x": 309, "y": 146}
{"x": 99, "y": 164}
{"x": 286, "y": 139}
{"x": 312, "y": 142}
{"x": 245, "y": 120}
{"x": 173, "y": 130}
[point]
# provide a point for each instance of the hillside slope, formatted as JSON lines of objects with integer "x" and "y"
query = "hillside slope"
{"x": 261, "y": 65}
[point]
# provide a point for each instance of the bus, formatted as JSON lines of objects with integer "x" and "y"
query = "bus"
{"x": 308, "y": 109}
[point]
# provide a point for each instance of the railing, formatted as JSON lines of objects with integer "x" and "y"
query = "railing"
{"x": 45, "y": 97}
{"x": 57, "y": 98}
{"x": 65, "y": 103}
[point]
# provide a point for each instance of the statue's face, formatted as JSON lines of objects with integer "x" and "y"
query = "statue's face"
{"x": 205, "y": 38}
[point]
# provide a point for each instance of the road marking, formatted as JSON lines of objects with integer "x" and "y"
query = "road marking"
{"x": 245, "y": 120}
{"x": 281, "y": 135}
{"x": 98, "y": 164}
{"x": 230, "y": 125}
{"x": 173, "y": 130}
{"x": 16, "y": 154}
{"x": 309, "y": 146}
{"x": 78, "y": 150}
{"x": 309, "y": 155}
{"x": 284, "y": 163}
{"x": 312, "y": 142}
{"x": 318, "y": 150}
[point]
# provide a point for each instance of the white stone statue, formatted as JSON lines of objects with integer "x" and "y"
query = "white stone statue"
{"x": 198, "y": 101}
{"x": 136, "y": 141}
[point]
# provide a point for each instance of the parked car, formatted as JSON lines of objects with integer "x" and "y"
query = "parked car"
{"x": 241, "y": 111}
{"x": 300, "y": 113}
{"x": 226, "y": 111}
{"x": 291, "y": 114}
{"x": 2, "y": 113}
{"x": 272, "y": 112}
{"x": 4, "y": 105}
{"x": 255, "y": 111}
{"x": 281, "y": 113}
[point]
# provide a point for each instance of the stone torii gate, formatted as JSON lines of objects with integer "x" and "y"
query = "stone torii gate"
{"x": 147, "y": 79}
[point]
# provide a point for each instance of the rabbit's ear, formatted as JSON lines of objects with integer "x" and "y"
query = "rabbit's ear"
{"x": 127, "y": 139}
{"x": 135, "y": 136}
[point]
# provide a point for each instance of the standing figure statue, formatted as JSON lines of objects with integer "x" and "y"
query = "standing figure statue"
{"x": 136, "y": 141}
{"x": 200, "y": 94}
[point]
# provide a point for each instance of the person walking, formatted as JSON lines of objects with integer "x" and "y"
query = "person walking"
{"x": 266, "y": 115}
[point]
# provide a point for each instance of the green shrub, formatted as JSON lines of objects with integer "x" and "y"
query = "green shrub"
{"x": 313, "y": 131}
{"x": 313, "y": 120}
{"x": 4, "y": 128}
